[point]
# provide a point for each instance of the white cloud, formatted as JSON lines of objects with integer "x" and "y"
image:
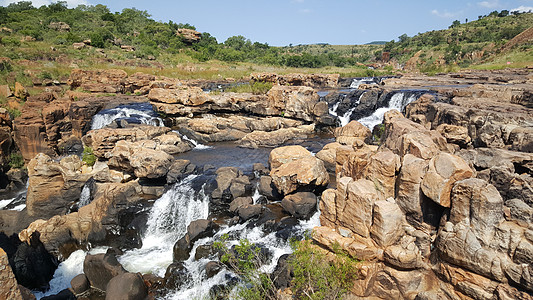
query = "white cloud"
{"x": 445, "y": 14}
{"x": 305, "y": 11}
{"x": 39, "y": 3}
{"x": 523, "y": 9}
{"x": 489, "y": 4}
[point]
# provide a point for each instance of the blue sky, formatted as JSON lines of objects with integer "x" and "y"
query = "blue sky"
{"x": 284, "y": 22}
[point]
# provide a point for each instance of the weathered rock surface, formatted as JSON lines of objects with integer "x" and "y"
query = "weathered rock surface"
{"x": 127, "y": 286}
{"x": 9, "y": 289}
{"x": 300, "y": 205}
{"x": 306, "y": 173}
{"x": 100, "y": 269}
{"x": 196, "y": 230}
{"x": 141, "y": 157}
{"x": 311, "y": 80}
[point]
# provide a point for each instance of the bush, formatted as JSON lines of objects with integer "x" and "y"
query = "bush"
{"x": 16, "y": 161}
{"x": 317, "y": 276}
{"x": 88, "y": 156}
{"x": 245, "y": 259}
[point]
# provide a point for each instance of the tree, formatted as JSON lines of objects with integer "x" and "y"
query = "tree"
{"x": 503, "y": 13}
{"x": 20, "y": 6}
{"x": 403, "y": 38}
{"x": 455, "y": 24}
{"x": 237, "y": 42}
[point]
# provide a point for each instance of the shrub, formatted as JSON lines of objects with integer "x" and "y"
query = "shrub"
{"x": 16, "y": 161}
{"x": 245, "y": 259}
{"x": 317, "y": 276}
{"x": 88, "y": 156}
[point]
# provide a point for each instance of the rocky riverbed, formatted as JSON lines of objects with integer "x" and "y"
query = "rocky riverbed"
{"x": 426, "y": 180}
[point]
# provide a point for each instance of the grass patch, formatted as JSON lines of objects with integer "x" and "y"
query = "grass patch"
{"x": 88, "y": 156}
{"x": 16, "y": 161}
{"x": 256, "y": 88}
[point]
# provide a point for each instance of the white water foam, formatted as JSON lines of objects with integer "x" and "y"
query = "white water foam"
{"x": 356, "y": 82}
{"x": 398, "y": 101}
{"x": 197, "y": 145}
{"x": 167, "y": 222}
{"x": 85, "y": 196}
{"x": 103, "y": 119}
{"x": 67, "y": 270}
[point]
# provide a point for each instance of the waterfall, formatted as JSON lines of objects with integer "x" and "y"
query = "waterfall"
{"x": 167, "y": 222}
{"x": 356, "y": 82}
{"x": 85, "y": 196}
{"x": 346, "y": 117}
{"x": 140, "y": 113}
{"x": 197, "y": 145}
{"x": 398, "y": 101}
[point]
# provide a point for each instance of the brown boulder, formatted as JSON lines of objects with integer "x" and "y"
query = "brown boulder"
{"x": 443, "y": 171}
{"x": 300, "y": 205}
{"x": 20, "y": 91}
{"x": 103, "y": 81}
{"x": 189, "y": 35}
{"x": 294, "y": 102}
{"x": 140, "y": 157}
{"x": 387, "y": 220}
{"x": 275, "y": 138}
{"x": 306, "y": 173}
{"x": 189, "y": 96}
{"x": 455, "y": 134}
{"x": 283, "y": 155}
{"x": 9, "y": 288}
{"x": 352, "y": 131}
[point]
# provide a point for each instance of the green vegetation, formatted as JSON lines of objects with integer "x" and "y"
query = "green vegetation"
{"x": 16, "y": 161}
{"x": 318, "y": 275}
{"x": 88, "y": 156}
{"x": 463, "y": 45}
{"x": 245, "y": 259}
{"x": 256, "y": 88}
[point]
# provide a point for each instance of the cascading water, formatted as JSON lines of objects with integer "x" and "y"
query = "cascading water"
{"x": 167, "y": 222}
{"x": 398, "y": 101}
{"x": 356, "y": 82}
{"x": 140, "y": 113}
{"x": 346, "y": 117}
{"x": 85, "y": 196}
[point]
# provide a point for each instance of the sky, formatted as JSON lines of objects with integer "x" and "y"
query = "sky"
{"x": 336, "y": 22}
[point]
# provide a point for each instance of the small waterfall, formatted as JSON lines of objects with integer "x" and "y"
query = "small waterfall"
{"x": 346, "y": 117}
{"x": 85, "y": 197}
{"x": 356, "y": 82}
{"x": 137, "y": 113}
{"x": 197, "y": 145}
{"x": 398, "y": 101}
{"x": 167, "y": 222}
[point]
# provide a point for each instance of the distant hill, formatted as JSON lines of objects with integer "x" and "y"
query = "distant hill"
{"x": 377, "y": 43}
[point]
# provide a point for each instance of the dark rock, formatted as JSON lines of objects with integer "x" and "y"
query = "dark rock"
{"x": 520, "y": 211}
{"x": 239, "y": 202}
{"x": 176, "y": 275}
{"x": 80, "y": 284}
{"x": 204, "y": 251}
{"x": 179, "y": 169}
{"x": 63, "y": 295}
{"x": 267, "y": 188}
{"x": 300, "y": 205}
{"x": 196, "y": 230}
{"x": 32, "y": 265}
{"x": 127, "y": 286}
{"x": 286, "y": 228}
{"x": 219, "y": 292}
{"x": 101, "y": 268}
{"x": 248, "y": 212}
{"x": 212, "y": 268}
{"x": 282, "y": 275}
{"x": 70, "y": 146}
{"x": 260, "y": 169}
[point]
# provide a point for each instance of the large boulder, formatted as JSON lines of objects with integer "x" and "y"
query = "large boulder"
{"x": 184, "y": 95}
{"x": 101, "y": 268}
{"x": 231, "y": 184}
{"x": 387, "y": 220}
{"x": 9, "y": 288}
{"x": 196, "y": 230}
{"x": 127, "y": 286}
{"x": 53, "y": 187}
{"x": 306, "y": 173}
{"x": 300, "y": 205}
{"x": 141, "y": 158}
{"x": 102, "y": 81}
{"x": 443, "y": 171}
{"x": 353, "y": 131}
{"x": 295, "y": 102}
{"x": 282, "y": 155}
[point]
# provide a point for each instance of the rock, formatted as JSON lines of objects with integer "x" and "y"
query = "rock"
{"x": 189, "y": 35}
{"x": 282, "y": 275}
{"x": 381, "y": 169}
{"x": 176, "y": 275}
{"x": 477, "y": 203}
{"x": 127, "y": 286}
{"x": 141, "y": 158}
{"x": 104, "y": 140}
{"x": 80, "y": 284}
{"x": 354, "y": 130}
{"x": 101, "y": 81}
{"x": 239, "y": 202}
{"x": 519, "y": 212}
{"x": 267, "y": 188}
{"x": 231, "y": 184}
{"x": 184, "y": 95}
{"x": 328, "y": 155}
{"x": 212, "y": 268}
{"x": 455, "y": 134}
{"x": 355, "y": 199}
{"x": 59, "y": 26}
{"x": 53, "y": 186}
{"x": 179, "y": 169}
{"x": 294, "y": 102}
{"x": 79, "y": 46}
{"x": 311, "y": 80}
{"x": 5, "y": 91}
{"x": 275, "y": 138}
{"x": 387, "y": 219}
{"x": 443, "y": 171}
{"x": 33, "y": 265}
{"x": 101, "y": 268}
{"x": 250, "y": 211}
{"x": 306, "y": 174}
{"x": 9, "y": 288}
{"x": 20, "y": 91}
{"x": 300, "y": 205}
{"x": 196, "y": 230}
{"x": 328, "y": 208}
{"x": 282, "y": 155}
{"x": 410, "y": 197}
{"x": 65, "y": 294}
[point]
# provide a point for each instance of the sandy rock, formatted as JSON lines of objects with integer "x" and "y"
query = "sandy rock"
{"x": 328, "y": 155}
{"x": 381, "y": 169}
{"x": 387, "y": 219}
{"x": 355, "y": 199}
{"x": 352, "y": 131}
{"x": 9, "y": 288}
{"x": 189, "y": 35}
{"x": 328, "y": 208}
{"x": 312, "y": 80}
{"x": 275, "y": 138}
{"x": 305, "y": 173}
{"x": 455, "y": 134}
{"x": 443, "y": 171}
{"x": 410, "y": 196}
{"x": 141, "y": 158}
{"x": 101, "y": 268}
{"x": 127, "y": 286}
{"x": 102, "y": 81}
{"x": 294, "y": 102}
{"x": 5, "y": 91}
{"x": 283, "y": 155}
{"x": 20, "y": 91}
{"x": 190, "y": 96}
